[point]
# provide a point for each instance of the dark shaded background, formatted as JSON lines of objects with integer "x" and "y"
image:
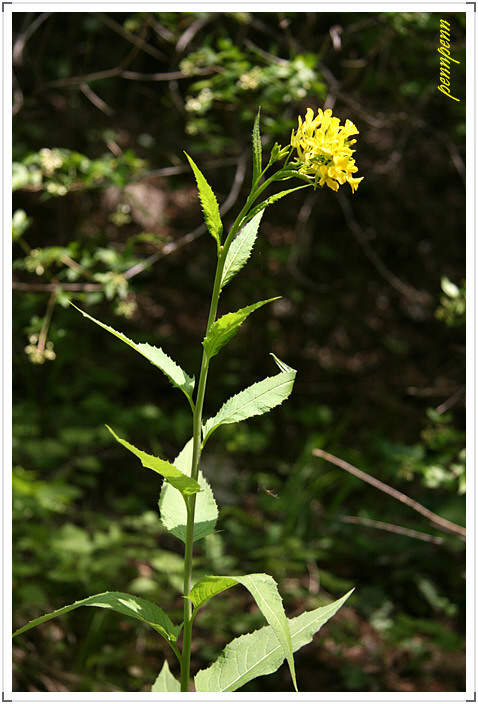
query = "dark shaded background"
{"x": 380, "y": 374}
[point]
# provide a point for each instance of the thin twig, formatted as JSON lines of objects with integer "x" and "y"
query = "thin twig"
{"x": 21, "y": 40}
{"x": 139, "y": 42}
{"x": 47, "y": 321}
{"x": 42, "y": 288}
{"x": 188, "y": 35}
{"x": 440, "y": 522}
{"x": 118, "y": 72}
{"x": 96, "y": 100}
{"x": 392, "y": 528}
{"x": 405, "y": 289}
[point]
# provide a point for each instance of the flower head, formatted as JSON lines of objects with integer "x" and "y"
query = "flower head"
{"x": 323, "y": 150}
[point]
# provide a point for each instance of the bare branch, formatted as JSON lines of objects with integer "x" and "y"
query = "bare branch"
{"x": 441, "y": 523}
{"x": 96, "y": 100}
{"x": 391, "y": 528}
{"x": 139, "y": 42}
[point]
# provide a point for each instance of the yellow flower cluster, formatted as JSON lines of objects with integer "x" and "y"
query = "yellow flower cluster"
{"x": 323, "y": 150}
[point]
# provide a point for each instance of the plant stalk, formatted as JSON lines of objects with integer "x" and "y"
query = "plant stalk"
{"x": 197, "y": 435}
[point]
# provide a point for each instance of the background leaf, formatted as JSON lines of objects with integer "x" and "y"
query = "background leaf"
{"x": 209, "y": 204}
{"x": 185, "y": 485}
{"x": 165, "y": 681}
{"x": 126, "y": 604}
{"x": 155, "y": 355}
{"x": 224, "y": 329}
{"x": 241, "y": 248}
{"x": 255, "y": 400}
{"x": 260, "y": 653}
{"x": 173, "y": 509}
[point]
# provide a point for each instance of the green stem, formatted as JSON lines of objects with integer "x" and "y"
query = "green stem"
{"x": 197, "y": 433}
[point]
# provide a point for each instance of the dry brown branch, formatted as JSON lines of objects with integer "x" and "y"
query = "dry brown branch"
{"x": 392, "y": 528}
{"x": 139, "y": 42}
{"x": 438, "y": 521}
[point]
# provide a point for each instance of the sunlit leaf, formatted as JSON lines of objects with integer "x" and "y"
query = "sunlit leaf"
{"x": 253, "y": 401}
{"x": 256, "y": 148}
{"x": 125, "y": 604}
{"x": 209, "y": 204}
{"x": 260, "y": 653}
{"x": 266, "y": 595}
{"x": 186, "y": 485}
{"x": 155, "y": 355}
{"x": 173, "y": 509}
{"x": 165, "y": 681}
{"x": 224, "y": 329}
{"x": 240, "y": 249}
{"x": 273, "y": 199}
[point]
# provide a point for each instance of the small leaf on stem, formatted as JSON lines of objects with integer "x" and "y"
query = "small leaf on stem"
{"x": 256, "y": 149}
{"x": 240, "y": 249}
{"x": 186, "y": 485}
{"x": 165, "y": 681}
{"x": 226, "y": 327}
{"x": 209, "y": 204}
{"x": 253, "y": 401}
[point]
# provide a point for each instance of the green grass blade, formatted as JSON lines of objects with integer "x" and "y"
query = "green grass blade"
{"x": 209, "y": 204}
{"x": 125, "y": 604}
{"x": 260, "y": 653}
{"x": 224, "y": 329}
{"x": 184, "y": 484}
{"x": 241, "y": 248}
{"x": 155, "y": 355}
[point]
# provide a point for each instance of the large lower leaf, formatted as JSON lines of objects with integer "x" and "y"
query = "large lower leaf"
{"x": 266, "y": 595}
{"x": 156, "y": 356}
{"x": 126, "y": 604}
{"x": 260, "y": 653}
{"x": 165, "y": 681}
{"x": 173, "y": 509}
{"x": 224, "y": 329}
{"x": 209, "y": 204}
{"x": 185, "y": 485}
{"x": 240, "y": 249}
{"x": 253, "y": 401}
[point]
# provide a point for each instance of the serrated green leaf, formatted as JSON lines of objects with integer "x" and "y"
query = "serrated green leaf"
{"x": 266, "y": 595}
{"x": 207, "y": 587}
{"x": 223, "y": 329}
{"x": 125, "y": 604}
{"x": 253, "y": 401}
{"x": 155, "y": 355}
{"x": 273, "y": 199}
{"x": 260, "y": 653}
{"x": 256, "y": 149}
{"x": 173, "y": 509}
{"x": 241, "y": 248}
{"x": 165, "y": 681}
{"x": 185, "y": 485}
{"x": 209, "y": 204}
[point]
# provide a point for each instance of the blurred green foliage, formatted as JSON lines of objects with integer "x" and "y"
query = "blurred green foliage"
{"x": 105, "y": 214}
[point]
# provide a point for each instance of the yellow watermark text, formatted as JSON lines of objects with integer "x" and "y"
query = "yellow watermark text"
{"x": 446, "y": 60}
